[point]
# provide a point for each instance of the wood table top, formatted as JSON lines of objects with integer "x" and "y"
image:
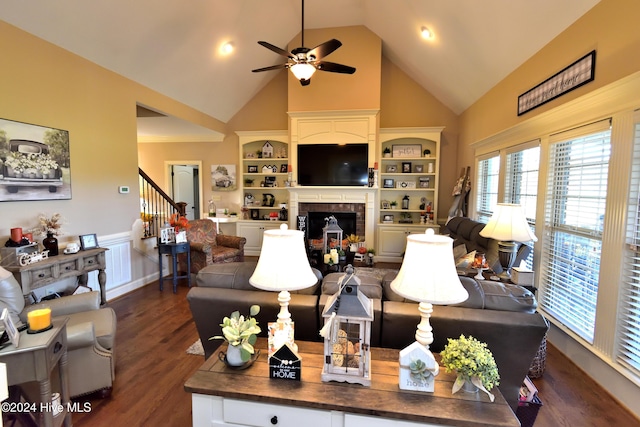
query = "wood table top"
{"x": 383, "y": 398}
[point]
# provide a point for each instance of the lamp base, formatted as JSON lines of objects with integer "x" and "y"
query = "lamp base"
{"x": 507, "y": 252}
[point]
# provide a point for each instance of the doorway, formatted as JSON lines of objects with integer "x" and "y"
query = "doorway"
{"x": 184, "y": 182}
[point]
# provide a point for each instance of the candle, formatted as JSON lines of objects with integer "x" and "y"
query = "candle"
{"x": 289, "y": 168}
{"x": 16, "y": 234}
{"x": 334, "y": 256}
{"x": 327, "y": 258}
{"x": 375, "y": 166}
{"x": 28, "y": 236}
{"x": 39, "y": 319}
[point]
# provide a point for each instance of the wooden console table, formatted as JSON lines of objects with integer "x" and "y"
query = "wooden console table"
{"x": 222, "y": 396}
{"x": 56, "y": 268}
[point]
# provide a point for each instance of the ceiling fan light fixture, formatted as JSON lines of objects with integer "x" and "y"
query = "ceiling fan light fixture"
{"x": 303, "y": 71}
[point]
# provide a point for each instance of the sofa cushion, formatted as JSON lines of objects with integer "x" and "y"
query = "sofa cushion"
{"x": 370, "y": 285}
{"x": 236, "y": 275}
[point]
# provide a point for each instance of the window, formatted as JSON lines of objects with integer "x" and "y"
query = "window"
{"x": 521, "y": 182}
{"x": 628, "y": 343}
{"x": 574, "y": 214}
{"x": 487, "y": 187}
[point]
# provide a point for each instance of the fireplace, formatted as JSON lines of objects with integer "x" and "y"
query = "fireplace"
{"x": 334, "y": 201}
{"x": 346, "y": 220}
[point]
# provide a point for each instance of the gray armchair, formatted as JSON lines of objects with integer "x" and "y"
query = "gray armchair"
{"x": 91, "y": 332}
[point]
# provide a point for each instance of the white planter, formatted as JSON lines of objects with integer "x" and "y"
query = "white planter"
{"x": 234, "y": 356}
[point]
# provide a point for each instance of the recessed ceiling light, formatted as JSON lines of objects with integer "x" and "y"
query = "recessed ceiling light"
{"x": 426, "y": 33}
{"x": 227, "y": 48}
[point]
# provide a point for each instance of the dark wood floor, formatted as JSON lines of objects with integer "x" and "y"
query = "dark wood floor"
{"x": 155, "y": 328}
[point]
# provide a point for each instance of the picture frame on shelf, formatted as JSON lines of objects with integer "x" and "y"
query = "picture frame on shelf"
{"x": 406, "y": 167}
{"x": 88, "y": 241}
{"x": 284, "y": 168}
{"x": 385, "y": 204}
{"x": 10, "y": 327}
{"x": 388, "y": 183}
{"x": 387, "y": 219}
{"x": 392, "y": 168}
{"x": 406, "y": 150}
{"x": 424, "y": 182}
{"x": 252, "y": 169}
{"x": 418, "y": 168}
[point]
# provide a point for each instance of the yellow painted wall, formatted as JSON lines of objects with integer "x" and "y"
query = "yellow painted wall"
{"x": 45, "y": 85}
{"x": 611, "y": 28}
{"x": 361, "y": 49}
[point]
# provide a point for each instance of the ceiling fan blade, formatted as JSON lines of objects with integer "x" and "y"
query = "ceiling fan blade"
{"x": 276, "y": 49}
{"x": 273, "y": 67}
{"x": 324, "y": 49}
{"x": 332, "y": 67}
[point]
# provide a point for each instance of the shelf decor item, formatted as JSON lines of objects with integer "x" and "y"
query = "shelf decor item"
{"x": 474, "y": 364}
{"x": 427, "y": 275}
{"x": 347, "y": 316}
{"x": 407, "y": 151}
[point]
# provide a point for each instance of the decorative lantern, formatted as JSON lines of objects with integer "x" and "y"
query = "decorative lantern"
{"x": 331, "y": 230}
{"x": 347, "y": 333}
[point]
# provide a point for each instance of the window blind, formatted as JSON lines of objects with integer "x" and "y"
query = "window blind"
{"x": 521, "y": 182}
{"x": 628, "y": 324}
{"x": 487, "y": 187}
{"x": 574, "y": 214}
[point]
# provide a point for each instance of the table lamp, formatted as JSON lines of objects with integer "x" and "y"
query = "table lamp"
{"x": 283, "y": 266}
{"x": 508, "y": 226}
{"x": 427, "y": 275}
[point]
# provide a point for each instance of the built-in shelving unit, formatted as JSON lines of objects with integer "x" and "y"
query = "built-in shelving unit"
{"x": 263, "y": 184}
{"x": 408, "y": 186}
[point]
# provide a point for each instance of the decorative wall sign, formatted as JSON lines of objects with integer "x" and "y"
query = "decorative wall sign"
{"x": 285, "y": 364}
{"x": 575, "y": 75}
{"x": 407, "y": 150}
{"x": 35, "y": 162}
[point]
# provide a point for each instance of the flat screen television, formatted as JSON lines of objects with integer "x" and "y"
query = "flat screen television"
{"x": 333, "y": 165}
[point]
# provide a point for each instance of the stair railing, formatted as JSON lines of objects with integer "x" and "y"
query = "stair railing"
{"x": 156, "y": 206}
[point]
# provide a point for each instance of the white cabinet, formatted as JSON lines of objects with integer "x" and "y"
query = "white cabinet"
{"x": 253, "y": 232}
{"x": 392, "y": 239}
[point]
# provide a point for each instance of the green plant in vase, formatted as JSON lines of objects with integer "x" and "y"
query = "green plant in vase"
{"x": 473, "y": 362}
{"x": 241, "y": 332}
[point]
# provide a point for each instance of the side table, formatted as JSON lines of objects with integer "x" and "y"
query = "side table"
{"x": 34, "y": 360}
{"x": 174, "y": 249}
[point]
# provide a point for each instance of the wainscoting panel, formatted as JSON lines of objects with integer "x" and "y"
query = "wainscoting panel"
{"x": 118, "y": 259}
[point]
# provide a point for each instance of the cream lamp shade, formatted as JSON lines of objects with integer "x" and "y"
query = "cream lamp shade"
{"x": 428, "y": 272}
{"x": 283, "y": 266}
{"x": 508, "y": 223}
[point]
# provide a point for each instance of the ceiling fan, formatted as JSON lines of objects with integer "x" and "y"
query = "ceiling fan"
{"x": 303, "y": 61}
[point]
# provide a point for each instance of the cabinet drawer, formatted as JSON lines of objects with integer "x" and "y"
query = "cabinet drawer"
{"x": 263, "y": 415}
{"x": 68, "y": 267}
{"x": 89, "y": 263}
{"x": 55, "y": 350}
{"x": 41, "y": 276}
{"x": 351, "y": 420}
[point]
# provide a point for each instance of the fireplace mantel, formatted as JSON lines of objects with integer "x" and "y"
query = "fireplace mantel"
{"x": 365, "y": 195}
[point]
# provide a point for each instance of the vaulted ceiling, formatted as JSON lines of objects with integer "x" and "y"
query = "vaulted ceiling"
{"x": 174, "y": 46}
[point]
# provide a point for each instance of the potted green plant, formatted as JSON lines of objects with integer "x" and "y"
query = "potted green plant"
{"x": 241, "y": 333}
{"x": 386, "y": 152}
{"x": 474, "y": 364}
{"x": 370, "y": 254}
